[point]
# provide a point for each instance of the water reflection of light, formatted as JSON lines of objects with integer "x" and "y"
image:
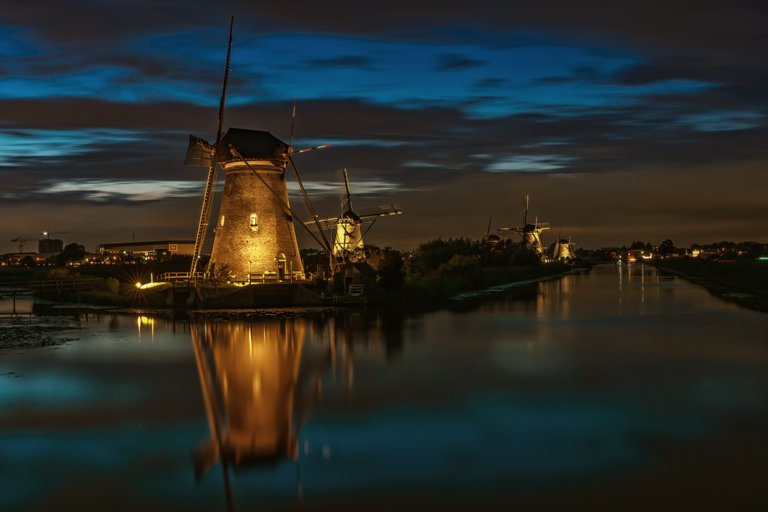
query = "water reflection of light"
{"x": 249, "y": 375}
{"x": 16, "y": 306}
{"x": 564, "y": 296}
{"x": 147, "y": 322}
{"x": 553, "y": 298}
{"x": 260, "y": 380}
{"x": 541, "y": 301}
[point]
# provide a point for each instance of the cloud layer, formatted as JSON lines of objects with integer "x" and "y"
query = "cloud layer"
{"x": 622, "y": 122}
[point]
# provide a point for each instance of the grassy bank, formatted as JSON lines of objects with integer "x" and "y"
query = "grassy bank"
{"x": 449, "y": 282}
{"x": 744, "y": 282}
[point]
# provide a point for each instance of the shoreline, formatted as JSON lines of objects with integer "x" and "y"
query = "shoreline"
{"x": 500, "y": 288}
{"x": 54, "y": 323}
{"x": 701, "y": 274}
{"x": 31, "y": 331}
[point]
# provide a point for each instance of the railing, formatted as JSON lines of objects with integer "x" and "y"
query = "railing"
{"x": 355, "y": 290}
{"x": 179, "y": 276}
{"x": 50, "y": 284}
{"x": 253, "y": 278}
{"x": 274, "y": 277}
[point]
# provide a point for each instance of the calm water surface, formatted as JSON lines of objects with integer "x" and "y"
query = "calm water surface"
{"x": 616, "y": 390}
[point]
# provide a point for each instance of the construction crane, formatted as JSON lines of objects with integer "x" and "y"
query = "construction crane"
{"x": 47, "y": 234}
{"x": 21, "y": 240}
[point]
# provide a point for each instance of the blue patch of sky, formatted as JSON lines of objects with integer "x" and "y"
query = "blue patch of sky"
{"x": 403, "y": 74}
{"x": 410, "y": 75}
{"x": 15, "y": 42}
{"x": 359, "y": 187}
{"x": 421, "y": 164}
{"x": 379, "y": 143}
{"x": 530, "y": 163}
{"x": 101, "y": 190}
{"x": 52, "y": 144}
{"x": 722, "y": 121}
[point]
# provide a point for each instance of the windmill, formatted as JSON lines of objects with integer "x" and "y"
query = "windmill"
{"x": 254, "y": 233}
{"x": 530, "y": 233}
{"x": 491, "y": 240}
{"x": 562, "y": 250}
{"x": 348, "y": 227}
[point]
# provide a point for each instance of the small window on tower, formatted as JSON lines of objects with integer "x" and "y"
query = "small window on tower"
{"x": 253, "y": 221}
{"x": 221, "y": 223}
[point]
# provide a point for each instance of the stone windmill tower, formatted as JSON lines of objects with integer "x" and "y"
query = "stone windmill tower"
{"x": 254, "y": 233}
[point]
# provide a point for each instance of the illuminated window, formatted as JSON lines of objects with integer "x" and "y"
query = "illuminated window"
{"x": 221, "y": 224}
{"x": 253, "y": 221}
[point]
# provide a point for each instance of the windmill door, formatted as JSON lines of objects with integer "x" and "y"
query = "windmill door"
{"x": 281, "y": 260}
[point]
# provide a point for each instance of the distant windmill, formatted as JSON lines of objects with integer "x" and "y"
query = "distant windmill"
{"x": 491, "y": 239}
{"x": 348, "y": 239}
{"x": 562, "y": 250}
{"x": 530, "y": 233}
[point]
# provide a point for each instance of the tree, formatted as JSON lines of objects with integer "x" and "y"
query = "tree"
{"x": 391, "y": 270}
{"x": 72, "y": 252}
{"x": 667, "y": 247}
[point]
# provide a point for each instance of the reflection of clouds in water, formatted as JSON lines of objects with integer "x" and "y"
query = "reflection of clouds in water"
{"x": 54, "y": 388}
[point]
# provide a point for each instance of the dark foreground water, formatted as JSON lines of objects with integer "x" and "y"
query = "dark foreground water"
{"x": 609, "y": 391}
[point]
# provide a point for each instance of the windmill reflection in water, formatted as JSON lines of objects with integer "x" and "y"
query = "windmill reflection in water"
{"x": 260, "y": 380}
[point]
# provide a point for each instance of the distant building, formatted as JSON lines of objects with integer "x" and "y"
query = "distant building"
{"x": 149, "y": 249}
{"x": 49, "y": 246}
{"x": 15, "y": 259}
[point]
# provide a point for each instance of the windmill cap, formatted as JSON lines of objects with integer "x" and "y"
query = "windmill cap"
{"x": 252, "y": 145}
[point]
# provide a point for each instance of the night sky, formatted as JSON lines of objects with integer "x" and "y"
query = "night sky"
{"x": 622, "y": 121}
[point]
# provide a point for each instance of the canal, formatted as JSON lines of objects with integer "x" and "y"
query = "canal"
{"x": 619, "y": 389}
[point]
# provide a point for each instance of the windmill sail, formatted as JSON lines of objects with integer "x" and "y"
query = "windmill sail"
{"x": 530, "y": 233}
{"x": 199, "y": 152}
{"x": 210, "y": 182}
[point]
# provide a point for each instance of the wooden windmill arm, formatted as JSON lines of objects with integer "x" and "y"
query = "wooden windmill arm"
{"x": 369, "y": 217}
{"x": 322, "y": 224}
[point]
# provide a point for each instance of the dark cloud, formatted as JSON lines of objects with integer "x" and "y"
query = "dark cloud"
{"x": 456, "y": 62}
{"x": 344, "y": 61}
{"x": 699, "y": 70}
{"x": 684, "y": 154}
{"x": 579, "y": 74}
{"x": 489, "y": 83}
{"x": 407, "y": 146}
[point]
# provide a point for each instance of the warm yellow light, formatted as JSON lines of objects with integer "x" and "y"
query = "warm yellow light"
{"x": 149, "y": 285}
{"x": 138, "y": 285}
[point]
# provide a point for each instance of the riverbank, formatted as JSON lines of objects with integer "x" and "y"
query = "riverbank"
{"x": 744, "y": 282}
{"x": 36, "y": 331}
{"x": 435, "y": 289}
